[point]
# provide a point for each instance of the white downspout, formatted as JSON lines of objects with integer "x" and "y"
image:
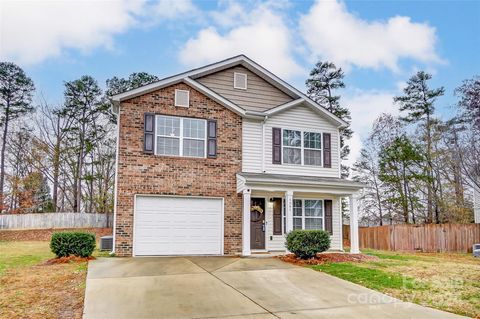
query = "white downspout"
{"x": 115, "y": 193}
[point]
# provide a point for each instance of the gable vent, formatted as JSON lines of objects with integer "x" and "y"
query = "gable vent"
{"x": 182, "y": 98}
{"x": 240, "y": 81}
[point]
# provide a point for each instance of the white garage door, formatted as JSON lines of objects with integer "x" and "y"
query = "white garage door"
{"x": 178, "y": 226}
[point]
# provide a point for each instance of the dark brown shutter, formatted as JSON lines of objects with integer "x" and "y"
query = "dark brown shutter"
{"x": 327, "y": 152}
{"x": 276, "y": 145}
{"x": 211, "y": 138}
{"x": 277, "y": 216}
{"x": 148, "y": 133}
{"x": 328, "y": 215}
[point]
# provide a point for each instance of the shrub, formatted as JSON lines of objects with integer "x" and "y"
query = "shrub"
{"x": 65, "y": 244}
{"x": 307, "y": 243}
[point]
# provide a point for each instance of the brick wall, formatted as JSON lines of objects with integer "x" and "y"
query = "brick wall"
{"x": 139, "y": 173}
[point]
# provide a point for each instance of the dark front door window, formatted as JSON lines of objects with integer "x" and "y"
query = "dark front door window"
{"x": 257, "y": 223}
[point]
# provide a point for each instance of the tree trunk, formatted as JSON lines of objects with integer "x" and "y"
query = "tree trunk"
{"x": 412, "y": 209}
{"x": 2, "y": 156}
{"x": 405, "y": 197}
{"x": 379, "y": 200}
{"x": 429, "y": 169}
{"x": 56, "y": 171}
{"x": 78, "y": 197}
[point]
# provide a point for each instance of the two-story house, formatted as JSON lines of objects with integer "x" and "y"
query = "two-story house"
{"x": 225, "y": 159}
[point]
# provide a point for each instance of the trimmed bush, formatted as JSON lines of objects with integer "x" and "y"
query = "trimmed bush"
{"x": 64, "y": 244}
{"x": 306, "y": 244}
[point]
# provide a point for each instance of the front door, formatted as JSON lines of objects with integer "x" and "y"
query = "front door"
{"x": 257, "y": 223}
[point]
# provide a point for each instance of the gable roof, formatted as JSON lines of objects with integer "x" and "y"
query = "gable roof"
{"x": 189, "y": 77}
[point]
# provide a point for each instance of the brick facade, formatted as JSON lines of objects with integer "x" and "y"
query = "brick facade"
{"x": 139, "y": 173}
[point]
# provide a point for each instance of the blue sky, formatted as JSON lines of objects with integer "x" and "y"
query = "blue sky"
{"x": 380, "y": 44}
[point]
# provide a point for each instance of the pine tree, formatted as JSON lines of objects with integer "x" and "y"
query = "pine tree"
{"x": 399, "y": 170}
{"x": 87, "y": 109}
{"x": 325, "y": 78}
{"x": 16, "y": 90}
{"x": 117, "y": 85}
{"x": 469, "y": 104}
{"x": 419, "y": 101}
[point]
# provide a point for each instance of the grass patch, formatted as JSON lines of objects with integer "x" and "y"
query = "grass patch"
{"x": 368, "y": 277}
{"x": 446, "y": 281}
{"x": 36, "y": 290}
{"x": 22, "y": 254}
{"x": 392, "y": 256}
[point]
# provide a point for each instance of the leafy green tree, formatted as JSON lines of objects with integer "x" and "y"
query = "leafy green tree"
{"x": 117, "y": 85}
{"x": 419, "y": 103}
{"x": 135, "y": 80}
{"x": 325, "y": 78}
{"x": 400, "y": 168}
{"x": 16, "y": 90}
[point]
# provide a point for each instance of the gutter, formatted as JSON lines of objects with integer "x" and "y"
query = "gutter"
{"x": 353, "y": 185}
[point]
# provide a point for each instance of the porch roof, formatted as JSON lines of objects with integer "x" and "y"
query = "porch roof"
{"x": 300, "y": 183}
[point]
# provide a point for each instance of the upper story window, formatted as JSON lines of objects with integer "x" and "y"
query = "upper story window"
{"x": 182, "y": 98}
{"x": 239, "y": 81}
{"x": 302, "y": 147}
{"x": 308, "y": 214}
{"x": 180, "y": 136}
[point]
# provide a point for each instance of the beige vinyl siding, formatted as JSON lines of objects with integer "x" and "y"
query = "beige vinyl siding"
{"x": 259, "y": 95}
{"x": 300, "y": 117}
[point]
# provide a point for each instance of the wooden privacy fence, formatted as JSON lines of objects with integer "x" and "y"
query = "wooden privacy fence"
{"x": 426, "y": 238}
{"x": 54, "y": 220}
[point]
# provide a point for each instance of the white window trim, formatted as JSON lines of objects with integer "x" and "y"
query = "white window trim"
{"x": 188, "y": 98}
{"x": 235, "y": 86}
{"x": 181, "y": 137}
{"x": 303, "y": 148}
{"x": 303, "y": 212}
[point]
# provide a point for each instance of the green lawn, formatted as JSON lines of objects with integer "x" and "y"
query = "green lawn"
{"x": 449, "y": 282}
{"x": 30, "y": 289}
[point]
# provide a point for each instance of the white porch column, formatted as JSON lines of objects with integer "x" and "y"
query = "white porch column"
{"x": 246, "y": 223}
{"x": 289, "y": 210}
{"x": 354, "y": 242}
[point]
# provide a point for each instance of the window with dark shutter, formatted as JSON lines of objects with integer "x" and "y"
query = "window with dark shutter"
{"x": 328, "y": 215}
{"x": 277, "y": 216}
{"x": 211, "y": 138}
{"x": 149, "y": 133}
{"x": 276, "y": 145}
{"x": 327, "y": 152}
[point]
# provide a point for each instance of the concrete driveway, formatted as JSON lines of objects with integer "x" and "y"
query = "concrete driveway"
{"x": 224, "y": 287}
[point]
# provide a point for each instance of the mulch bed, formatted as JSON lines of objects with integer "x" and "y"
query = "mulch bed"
{"x": 324, "y": 258}
{"x": 46, "y": 234}
{"x": 67, "y": 260}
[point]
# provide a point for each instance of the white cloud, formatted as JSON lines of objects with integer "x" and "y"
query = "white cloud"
{"x": 262, "y": 35}
{"x": 170, "y": 9}
{"x": 333, "y": 33}
{"x": 33, "y": 31}
{"x": 233, "y": 15}
{"x": 365, "y": 107}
